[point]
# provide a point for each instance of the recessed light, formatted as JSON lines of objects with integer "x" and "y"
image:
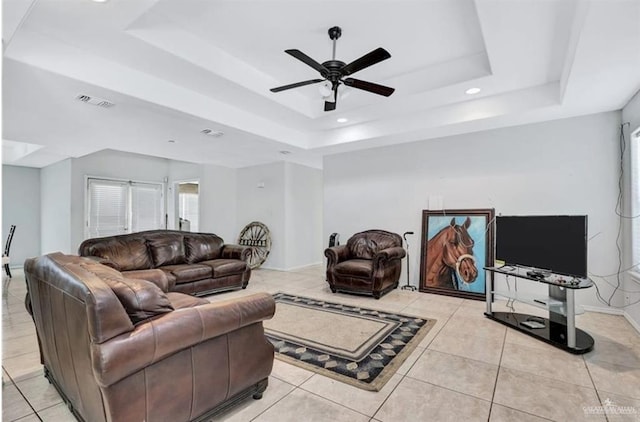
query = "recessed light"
{"x": 342, "y": 120}
{"x": 472, "y": 91}
{"x": 171, "y": 141}
{"x": 100, "y": 1}
{"x": 285, "y": 152}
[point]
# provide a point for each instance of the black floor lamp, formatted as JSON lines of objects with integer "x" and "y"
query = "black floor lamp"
{"x": 407, "y": 286}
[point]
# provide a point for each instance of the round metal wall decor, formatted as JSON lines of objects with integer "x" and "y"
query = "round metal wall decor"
{"x": 257, "y": 237}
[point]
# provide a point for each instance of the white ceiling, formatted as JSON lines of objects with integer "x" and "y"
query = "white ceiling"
{"x": 175, "y": 67}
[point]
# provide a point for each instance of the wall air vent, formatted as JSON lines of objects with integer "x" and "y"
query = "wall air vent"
{"x": 211, "y": 132}
{"x": 94, "y": 101}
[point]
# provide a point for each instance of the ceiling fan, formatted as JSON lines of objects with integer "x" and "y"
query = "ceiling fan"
{"x": 335, "y": 72}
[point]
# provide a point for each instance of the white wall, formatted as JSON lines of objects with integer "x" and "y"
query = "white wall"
{"x": 290, "y": 204}
{"x": 264, "y": 204}
{"x": 55, "y": 205}
{"x": 218, "y": 202}
{"x": 21, "y": 206}
{"x": 631, "y": 114}
{"x": 561, "y": 167}
{"x": 303, "y": 211}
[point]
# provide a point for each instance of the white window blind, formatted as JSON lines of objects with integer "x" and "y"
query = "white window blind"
{"x": 146, "y": 207}
{"x": 118, "y": 207}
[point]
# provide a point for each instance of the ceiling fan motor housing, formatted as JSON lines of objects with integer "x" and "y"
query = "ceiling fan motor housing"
{"x": 334, "y": 67}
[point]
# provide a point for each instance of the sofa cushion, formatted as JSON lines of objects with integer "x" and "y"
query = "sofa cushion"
{"x": 226, "y": 267}
{"x": 124, "y": 253}
{"x": 202, "y": 247}
{"x": 140, "y": 298}
{"x": 166, "y": 249}
{"x": 355, "y": 267}
{"x": 181, "y": 301}
{"x": 185, "y": 273}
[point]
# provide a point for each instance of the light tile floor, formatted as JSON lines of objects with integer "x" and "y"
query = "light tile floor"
{"x": 467, "y": 368}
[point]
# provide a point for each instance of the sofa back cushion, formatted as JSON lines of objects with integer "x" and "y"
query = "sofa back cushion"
{"x": 202, "y": 247}
{"x": 125, "y": 253}
{"x": 365, "y": 245}
{"x": 166, "y": 248}
{"x": 140, "y": 298}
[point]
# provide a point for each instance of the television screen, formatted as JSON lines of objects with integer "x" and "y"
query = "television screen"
{"x": 556, "y": 243}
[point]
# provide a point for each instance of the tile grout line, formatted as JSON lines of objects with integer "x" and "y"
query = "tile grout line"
{"x": 23, "y": 396}
{"x": 495, "y": 384}
{"x": 405, "y": 375}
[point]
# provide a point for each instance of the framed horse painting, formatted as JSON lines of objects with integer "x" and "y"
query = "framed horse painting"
{"x": 456, "y": 246}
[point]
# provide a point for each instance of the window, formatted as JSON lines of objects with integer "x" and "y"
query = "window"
{"x": 118, "y": 207}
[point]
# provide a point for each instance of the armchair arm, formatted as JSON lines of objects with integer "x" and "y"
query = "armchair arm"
{"x": 161, "y": 337}
{"x": 390, "y": 253}
{"x": 336, "y": 254}
{"x": 236, "y": 252}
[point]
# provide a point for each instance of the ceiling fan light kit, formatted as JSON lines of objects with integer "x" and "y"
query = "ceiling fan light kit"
{"x": 335, "y": 72}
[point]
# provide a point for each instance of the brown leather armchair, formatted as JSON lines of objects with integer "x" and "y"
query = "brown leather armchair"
{"x": 122, "y": 349}
{"x": 369, "y": 263}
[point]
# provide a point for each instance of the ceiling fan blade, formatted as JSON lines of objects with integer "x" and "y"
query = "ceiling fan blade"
{"x": 369, "y": 86}
{"x": 308, "y": 61}
{"x": 329, "y": 106}
{"x": 296, "y": 85}
{"x": 369, "y": 59}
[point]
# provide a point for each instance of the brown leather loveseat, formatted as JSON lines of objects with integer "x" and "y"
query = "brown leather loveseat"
{"x": 195, "y": 263}
{"x": 369, "y": 263}
{"x": 121, "y": 349}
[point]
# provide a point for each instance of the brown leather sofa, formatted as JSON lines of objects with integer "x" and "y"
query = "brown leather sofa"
{"x": 369, "y": 263}
{"x": 121, "y": 349}
{"x": 195, "y": 263}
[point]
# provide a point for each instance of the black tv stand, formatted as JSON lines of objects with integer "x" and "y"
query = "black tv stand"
{"x": 559, "y": 328}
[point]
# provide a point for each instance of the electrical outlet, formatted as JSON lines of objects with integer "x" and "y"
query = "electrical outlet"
{"x": 627, "y": 300}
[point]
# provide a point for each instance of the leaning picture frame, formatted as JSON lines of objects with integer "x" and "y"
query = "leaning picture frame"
{"x": 456, "y": 246}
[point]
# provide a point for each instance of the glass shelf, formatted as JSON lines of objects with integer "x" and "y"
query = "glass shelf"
{"x": 539, "y": 301}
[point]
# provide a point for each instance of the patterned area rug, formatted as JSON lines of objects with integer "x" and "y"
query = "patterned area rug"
{"x": 359, "y": 346}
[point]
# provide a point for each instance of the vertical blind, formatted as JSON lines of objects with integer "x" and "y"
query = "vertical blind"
{"x": 118, "y": 207}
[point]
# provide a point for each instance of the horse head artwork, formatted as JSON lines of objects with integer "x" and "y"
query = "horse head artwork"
{"x": 450, "y": 259}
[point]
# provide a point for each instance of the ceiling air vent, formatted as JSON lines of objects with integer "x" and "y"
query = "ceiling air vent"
{"x": 94, "y": 101}
{"x": 211, "y": 132}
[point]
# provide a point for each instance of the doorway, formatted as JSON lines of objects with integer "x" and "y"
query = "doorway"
{"x": 188, "y": 206}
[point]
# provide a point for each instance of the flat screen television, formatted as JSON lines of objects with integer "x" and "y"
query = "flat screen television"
{"x": 557, "y": 243}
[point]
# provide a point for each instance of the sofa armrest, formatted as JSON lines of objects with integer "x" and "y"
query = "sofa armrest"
{"x": 336, "y": 254}
{"x": 236, "y": 252}
{"x": 161, "y": 337}
{"x": 156, "y": 276}
{"x": 104, "y": 261}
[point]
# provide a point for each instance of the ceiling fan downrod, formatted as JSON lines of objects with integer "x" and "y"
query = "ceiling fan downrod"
{"x": 334, "y": 34}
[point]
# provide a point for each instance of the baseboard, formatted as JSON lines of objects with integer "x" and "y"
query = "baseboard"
{"x": 600, "y": 309}
{"x": 302, "y": 267}
{"x": 631, "y": 321}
